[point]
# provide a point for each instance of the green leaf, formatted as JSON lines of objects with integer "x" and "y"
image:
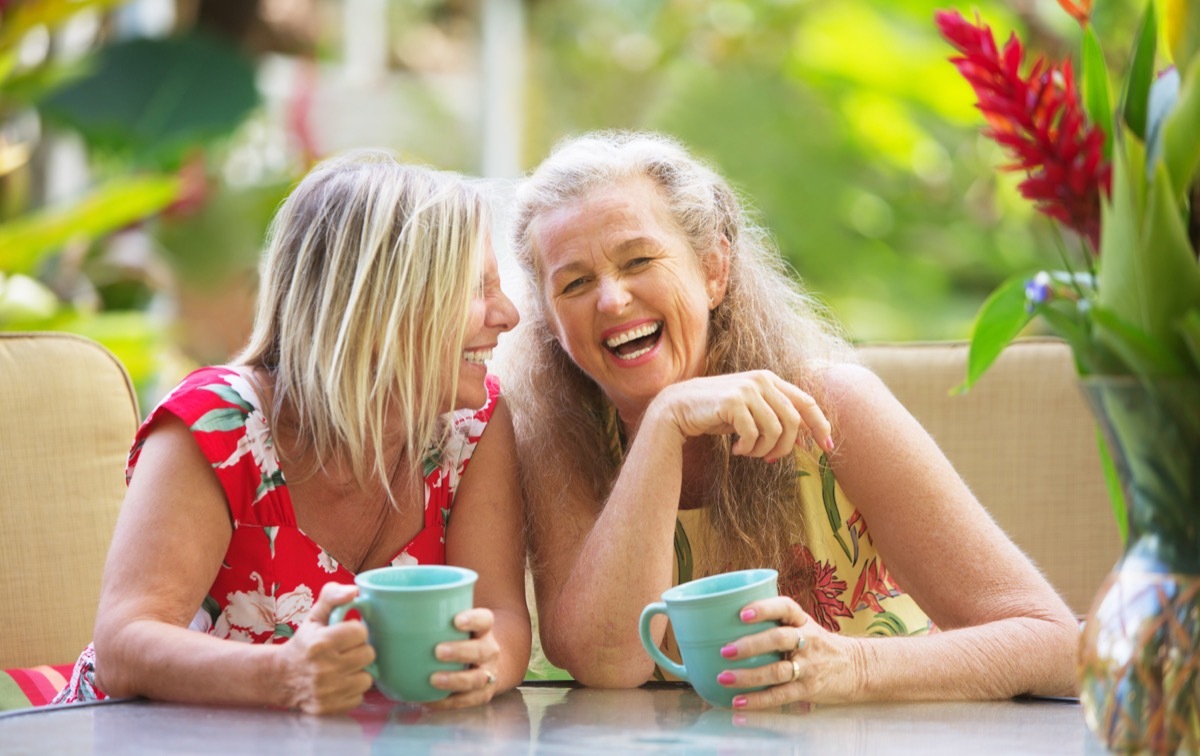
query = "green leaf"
{"x": 1181, "y": 135}
{"x": 1141, "y": 353}
{"x": 1164, "y": 93}
{"x": 1189, "y": 328}
{"x": 25, "y": 241}
{"x": 1097, "y": 99}
{"x": 153, "y": 100}
{"x": 1116, "y": 494}
{"x": 1141, "y": 74}
{"x": 224, "y": 419}
{"x": 1149, "y": 278}
{"x": 1000, "y": 319}
{"x": 229, "y": 395}
{"x": 1067, "y": 321}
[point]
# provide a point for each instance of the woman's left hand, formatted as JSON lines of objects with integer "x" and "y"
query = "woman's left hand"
{"x": 481, "y": 652}
{"x": 817, "y": 665}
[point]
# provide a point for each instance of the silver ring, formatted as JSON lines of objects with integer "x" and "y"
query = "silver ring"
{"x": 795, "y": 670}
{"x": 491, "y": 677}
{"x": 801, "y": 641}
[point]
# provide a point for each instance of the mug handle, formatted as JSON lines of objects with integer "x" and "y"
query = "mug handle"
{"x": 655, "y": 652}
{"x": 339, "y": 615}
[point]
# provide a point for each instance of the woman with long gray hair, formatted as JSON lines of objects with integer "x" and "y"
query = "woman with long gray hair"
{"x": 683, "y": 408}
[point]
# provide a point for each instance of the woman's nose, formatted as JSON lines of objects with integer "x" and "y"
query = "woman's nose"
{"x": 614, "y": 297}
{"x": 503, "y": 314}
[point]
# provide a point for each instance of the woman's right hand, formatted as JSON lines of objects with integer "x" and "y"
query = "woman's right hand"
{"x": 768, "y": 414}
{"x": 323, "y": 666}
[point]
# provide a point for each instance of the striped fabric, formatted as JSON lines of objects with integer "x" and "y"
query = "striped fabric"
{"x": 33, "y": 686}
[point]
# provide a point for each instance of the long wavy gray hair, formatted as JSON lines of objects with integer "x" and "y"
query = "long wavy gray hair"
{"x": 766, "y": 320}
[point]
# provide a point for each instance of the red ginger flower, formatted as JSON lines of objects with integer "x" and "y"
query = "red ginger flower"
{"x": 1080, "y": 10}
{"x": 1039, "y": 120}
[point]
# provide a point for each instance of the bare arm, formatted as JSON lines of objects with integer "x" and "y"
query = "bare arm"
{"x": 172, "y": 533}
{"x": 596, "y": 566}
{"x": 1005, "y": 630}
{"x": 487, "y": 534}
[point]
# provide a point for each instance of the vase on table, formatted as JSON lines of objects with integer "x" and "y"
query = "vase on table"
{"x": 1139, "y": 655}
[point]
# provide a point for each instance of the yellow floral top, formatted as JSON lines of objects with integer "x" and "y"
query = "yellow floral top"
{"x": 837, "y": 577}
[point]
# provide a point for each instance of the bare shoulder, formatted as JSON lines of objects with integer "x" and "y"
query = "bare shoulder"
{"x": 850, "y": 388}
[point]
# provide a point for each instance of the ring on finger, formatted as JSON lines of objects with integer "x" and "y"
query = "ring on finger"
{"x": 795, "y": 670}
{"x": 801, "y": 641}
{"x": 491, "y": 677}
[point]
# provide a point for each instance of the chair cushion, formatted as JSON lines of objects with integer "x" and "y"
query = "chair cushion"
{"x": 1025, "y": 442}
{"x": 69, "y": 414}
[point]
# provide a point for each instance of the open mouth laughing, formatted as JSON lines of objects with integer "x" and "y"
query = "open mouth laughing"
{"x": 478, "y": 356}
{"x": 637, "y": 341}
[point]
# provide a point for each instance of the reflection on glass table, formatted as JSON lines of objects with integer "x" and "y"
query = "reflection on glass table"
{"x": 560, "y": 718}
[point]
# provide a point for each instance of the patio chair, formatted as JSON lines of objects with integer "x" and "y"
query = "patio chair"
{"x": 1025, "y": 442}
{"x": 68, "y": 413}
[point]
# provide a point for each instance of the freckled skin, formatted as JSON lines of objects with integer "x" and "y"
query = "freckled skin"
{"x": 615, "y": 257}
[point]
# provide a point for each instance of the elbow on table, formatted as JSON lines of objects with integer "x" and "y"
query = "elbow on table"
{"x": 597, "y": 671}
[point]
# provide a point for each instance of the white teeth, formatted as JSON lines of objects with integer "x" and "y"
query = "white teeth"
{"x": 477, "y": 356}
{"x": 636, "y": 333}
{"x": 634, "y": 355}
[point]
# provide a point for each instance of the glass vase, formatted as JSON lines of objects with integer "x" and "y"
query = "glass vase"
{"x": 1139, "y": 655}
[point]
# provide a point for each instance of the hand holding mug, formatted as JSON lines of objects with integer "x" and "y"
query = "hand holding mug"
{"x": 815, "y": 663}
{"x": 480, "y": 655}
{"x": 409, "y": 611}
{"x": 706, "y": 616}
{"x": 324, "y": 666}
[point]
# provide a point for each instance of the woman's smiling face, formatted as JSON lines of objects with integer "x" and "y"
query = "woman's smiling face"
{"x": 626, "y": 296}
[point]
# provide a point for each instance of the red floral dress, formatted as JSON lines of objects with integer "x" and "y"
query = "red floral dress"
{"x": 273, "y": 572}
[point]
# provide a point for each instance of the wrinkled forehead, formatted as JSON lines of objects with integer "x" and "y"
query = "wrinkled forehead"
{"x": 603, "y": 218}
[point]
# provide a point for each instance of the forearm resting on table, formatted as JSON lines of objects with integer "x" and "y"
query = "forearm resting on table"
{"x": 157, "y": 660}
{"x": 1001, "y": 659}
{"x": 513, "y": 634}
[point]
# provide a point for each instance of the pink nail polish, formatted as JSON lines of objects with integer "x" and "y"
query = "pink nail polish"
{"x": 770, "y": 461}
{"x": 748, "y": 615}
{"x": 739, "y": 702}
{"x": 726, "y": 678}
{"x": 729, "y": 651}
{"x": 829, "y": 443}
{"x": 739, "y": 720}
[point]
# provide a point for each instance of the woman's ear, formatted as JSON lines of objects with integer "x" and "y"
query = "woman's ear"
{"x": 716, "y": 273}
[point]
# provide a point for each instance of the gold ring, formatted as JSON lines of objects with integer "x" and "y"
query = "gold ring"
{"x": 491, "y": 677}
{"x": 795, "y": 670}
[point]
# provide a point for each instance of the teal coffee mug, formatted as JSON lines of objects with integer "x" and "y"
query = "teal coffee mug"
{"x": 408, "y": 610}
{"x": 705, "y": 615}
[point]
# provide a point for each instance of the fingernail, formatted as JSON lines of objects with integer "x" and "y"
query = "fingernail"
{"x": 829, "y": 443}
{"x": 441, "y": 652}
{"x": 729, "y": 651}
{"x": 739, "y": 719}
{"x": 726, "y": 678}
{"x": 438, "y": 679}
{"x": 739, "y": 702}
{"x": 771, "y": 460}
{"x": 748, "y": 614}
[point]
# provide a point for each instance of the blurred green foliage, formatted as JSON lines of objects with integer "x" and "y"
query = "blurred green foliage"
{"x": 842, "y": 123}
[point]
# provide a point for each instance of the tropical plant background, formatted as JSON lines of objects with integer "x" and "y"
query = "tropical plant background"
{"x": 145, "y": 143}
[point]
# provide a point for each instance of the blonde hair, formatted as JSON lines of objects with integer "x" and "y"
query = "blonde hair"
{"x": 367, "y": 280}
{"x": 766, "y": 321}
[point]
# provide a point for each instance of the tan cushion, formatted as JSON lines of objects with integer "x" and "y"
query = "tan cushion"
{"x": 1025, "y": 442}
{"x": 67, "y": 416}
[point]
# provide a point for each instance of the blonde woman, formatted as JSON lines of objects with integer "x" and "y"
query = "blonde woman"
{"x": 257, "y": 490}
{"x": 676, "y": 390}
